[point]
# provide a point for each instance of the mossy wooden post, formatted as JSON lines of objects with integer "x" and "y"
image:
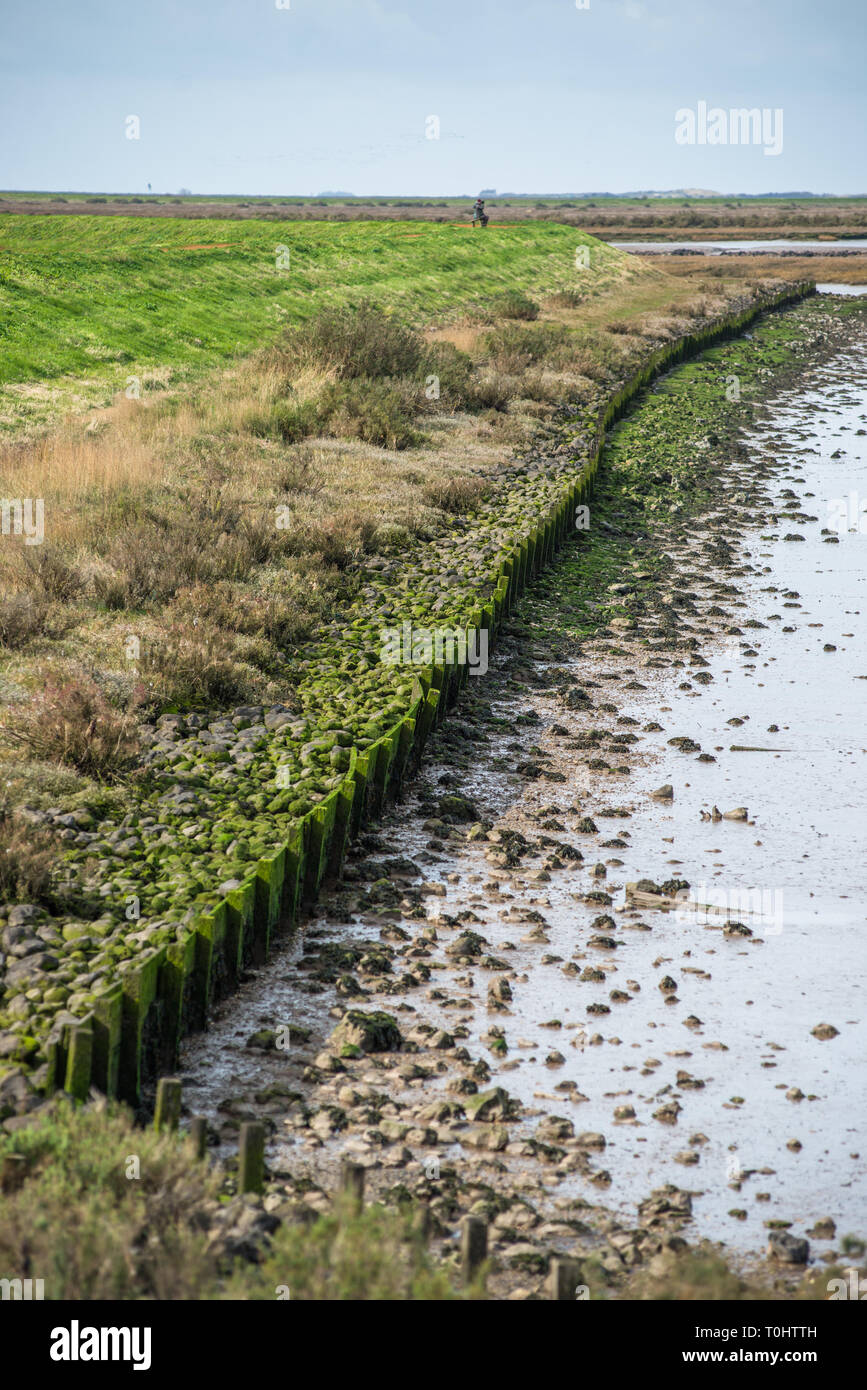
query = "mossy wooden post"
{"x": 199, "y": 1136}
{"x": 359, "y": 803}
{"x": 239, "y": 908}
{"x": 178, "y": 970}
{"x": 564, "y": 1279}
{"x": 251, "y": 1157}
{"x": 405, "y": 741}
{"x": 167, "y": 1112}
{"x": 107, "y": 1021}
{"x": 352, "y": 1183}
{"x": 293, "y": 875}
{"x": 321, "y": 826}
{"x": 13, "y": 1171}
{"x": 202, "y": 966}
{"x": 438, "y": 682}
{"x": 426, "y": 719}
{"x": 139, "y": 993}
{"x": 389, "y": 745}
{"x": 342, "y": 820}
{"x": 269, "y": 895}
{"x": 474, "y": 1246}
{"x": 79, "y": 1057}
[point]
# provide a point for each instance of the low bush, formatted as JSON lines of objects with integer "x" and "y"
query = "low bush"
{"x": 23, "y": 619}
{"x": 26, "y": 858}
{"x": 515, "y": 305}
{"x": 195, "y": 665}
{"x": 458, "y": 495}
{"x": 356, "y": 342}
{"x": 380, "y": 412}
{"x": 71, "y": 722}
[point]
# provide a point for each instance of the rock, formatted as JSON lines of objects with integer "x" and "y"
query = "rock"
{"x": 24, "y": 914}
{"x": 495, "y": 1104}
{"x": 373, "y": 1032}
{"x": 590, "y": 1140}
{"x": 790, "y": 1250}
{"x": 664, "y": 793}
{"x": 739, "y": 813}
{"x": 457, "y": 808}
{"x": 824, "y": 1229}
{"x": 736, "y": 929}
{"x": 667, "y": 1114}
{"x": 469, "y": 943}
{"x": 824, "y": 1031}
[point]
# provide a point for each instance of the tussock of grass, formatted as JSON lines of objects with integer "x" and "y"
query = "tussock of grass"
{"x": 26, "y": 859}
{"x": 71, "y": 722}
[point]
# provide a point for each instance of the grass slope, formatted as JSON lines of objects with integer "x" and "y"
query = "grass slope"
{"x": 87, "y": 302}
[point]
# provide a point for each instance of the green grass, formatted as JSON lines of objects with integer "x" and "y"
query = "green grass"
{"x": 87, "y": 302}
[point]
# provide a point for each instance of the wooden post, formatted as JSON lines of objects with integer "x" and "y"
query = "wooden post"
{"x": 352, "y": 1182}
{"x": 474, "y": 1246}
{"x": 199, "y": 1135}
{"x": 168, "y": 1106}
{"x": 251, "y": 1157}
{"x": 422, "y": 1222}
{"x": 564, "y": 1277}
{"x": 12, "y": 1172}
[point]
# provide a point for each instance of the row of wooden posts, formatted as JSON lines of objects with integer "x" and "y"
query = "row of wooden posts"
{"x": 564, "y": 1275}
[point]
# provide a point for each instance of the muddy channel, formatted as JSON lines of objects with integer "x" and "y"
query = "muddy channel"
{"x": 714, "y": 1042}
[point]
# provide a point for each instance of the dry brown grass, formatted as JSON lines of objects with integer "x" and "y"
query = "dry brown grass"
{"x": 848, "y": 269}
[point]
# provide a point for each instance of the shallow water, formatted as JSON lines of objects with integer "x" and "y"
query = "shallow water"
{"x": 720, "y": 247}
{"x": 847, "y": 289}
{"x": 801, "y": 853}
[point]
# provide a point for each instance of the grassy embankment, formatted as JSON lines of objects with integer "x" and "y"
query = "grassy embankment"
{"x": 246, "y": 540}
{"x": 87, "y": 303}
{"x": 608, "y": 217}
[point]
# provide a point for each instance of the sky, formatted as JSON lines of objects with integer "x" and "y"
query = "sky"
{"x": 430, "y": 97}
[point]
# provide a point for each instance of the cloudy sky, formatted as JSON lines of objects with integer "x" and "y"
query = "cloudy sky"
{"x": 249, "y": 96}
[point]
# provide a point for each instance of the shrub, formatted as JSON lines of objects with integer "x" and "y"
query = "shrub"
{"x": 290, "y": 421}
{"x": 73, "y": 723}
{"x": 494, "y": 390}
{"x": 454, "y": 370}
{"x": 26, "y": 858}
{"x": 300, "y": 473}
{"x": 565, "y": 299}
{"x": 379, "y": 412}
{"x": 338, "y": 541}
{"x": 192, "y": 666}
{"x": 49, "y": 575}
{"x": 152, "y": 561}
{"x": 515, "y": 305}
{"x": 458, "y": 495}
{"x": 80, "y": 1224}
{"x": 23, "y": 619}
{"x": 513, "y": 348}
{"x": 362, "y": 342}
{"x": 372, "y": 1255}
